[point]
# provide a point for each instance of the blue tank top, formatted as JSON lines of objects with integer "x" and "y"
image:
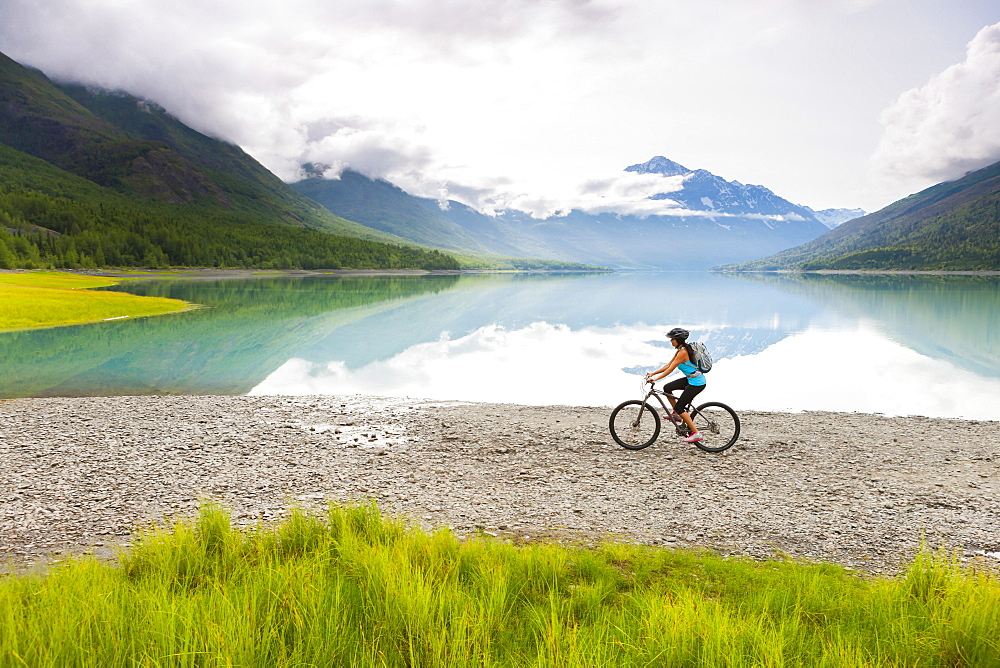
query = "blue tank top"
{"x": 694, "y": 376}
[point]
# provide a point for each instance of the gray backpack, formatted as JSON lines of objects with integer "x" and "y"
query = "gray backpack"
{"x": 702, "y": 358}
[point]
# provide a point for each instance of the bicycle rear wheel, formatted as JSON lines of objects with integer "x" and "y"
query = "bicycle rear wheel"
{"x": 634, "y": 424}
{"x": 718, "y": 424}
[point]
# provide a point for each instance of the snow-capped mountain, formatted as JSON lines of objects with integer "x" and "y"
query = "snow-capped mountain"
{"x": 704, "y": 191}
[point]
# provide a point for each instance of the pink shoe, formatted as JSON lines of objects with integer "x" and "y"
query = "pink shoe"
{"x": 694, "y": 437}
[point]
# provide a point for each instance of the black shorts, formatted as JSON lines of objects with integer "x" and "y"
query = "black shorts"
{"x": 688, "y": 392}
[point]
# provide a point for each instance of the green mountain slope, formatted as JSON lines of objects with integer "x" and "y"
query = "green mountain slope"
{"x": 93, "y": 178}
{"x": 233, "y": 177}
{"x": 50, "y": 218}
{"x": 478, "y": 240}
{"x": 953, "y": 226}
{"x": 383, "y": 206}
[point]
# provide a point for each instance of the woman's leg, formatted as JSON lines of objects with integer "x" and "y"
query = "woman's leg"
{"x": 689, "y": 393}
{"x": 673, "y": 386}
{"x": 689, "y": 422}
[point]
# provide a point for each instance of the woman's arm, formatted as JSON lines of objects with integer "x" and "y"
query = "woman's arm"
{"x": 680, "y": 356}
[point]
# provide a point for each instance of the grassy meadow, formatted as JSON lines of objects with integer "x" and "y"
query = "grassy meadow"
{"x": 355, "y": 588}
{"x": 34, "y": 299}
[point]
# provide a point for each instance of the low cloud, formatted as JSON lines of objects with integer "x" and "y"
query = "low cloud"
{"x": 375, "y": 150}
{"x": 625, "y": 193}
{"x": 949, "y": 126}
{"x": 631, "y": 193}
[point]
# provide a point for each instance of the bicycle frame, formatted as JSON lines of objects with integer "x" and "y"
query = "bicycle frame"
{"x": 668, "y": 409}
{"x": 659, "y": 394}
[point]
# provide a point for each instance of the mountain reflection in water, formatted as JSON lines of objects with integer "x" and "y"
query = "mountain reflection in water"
{"x": 784, "y": 343}
{"x": 891, "y": 344}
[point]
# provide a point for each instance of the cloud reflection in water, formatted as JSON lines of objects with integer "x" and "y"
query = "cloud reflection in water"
{"x": 855, "y": 370}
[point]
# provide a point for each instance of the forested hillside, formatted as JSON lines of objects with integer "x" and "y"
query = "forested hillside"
{"x": 382, "y": 206}
{"x": 93, "y": 178}
{"x": 953, "y": 226}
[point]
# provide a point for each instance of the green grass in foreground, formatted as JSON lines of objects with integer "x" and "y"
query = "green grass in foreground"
{"x": 353, "y": 588}
{"x": 32, "y": 299}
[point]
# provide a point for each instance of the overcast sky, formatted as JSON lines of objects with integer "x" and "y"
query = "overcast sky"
{"x": 540, "y": 104}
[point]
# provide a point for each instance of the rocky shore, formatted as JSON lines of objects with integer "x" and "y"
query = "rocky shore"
{"x": 81, "y": 474}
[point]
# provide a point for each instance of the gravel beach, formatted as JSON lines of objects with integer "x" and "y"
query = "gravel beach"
{"x": 80, "y": 474}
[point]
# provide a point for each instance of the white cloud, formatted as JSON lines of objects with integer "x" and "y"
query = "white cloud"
{"x": 949, "y": 126}
{"x": 618, "y": 193}
{"x": 516, "y": 101}
{"x": 375, "y": 149}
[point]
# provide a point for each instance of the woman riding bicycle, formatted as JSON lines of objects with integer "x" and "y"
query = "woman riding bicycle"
{"x": 692, "y": 383}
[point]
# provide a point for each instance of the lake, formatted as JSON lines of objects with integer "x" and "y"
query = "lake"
{"x": 898, "y": 345}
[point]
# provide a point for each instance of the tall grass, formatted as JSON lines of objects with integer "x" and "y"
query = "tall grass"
{"x": 51, "y": 299}
{"x": 355, "y": 588}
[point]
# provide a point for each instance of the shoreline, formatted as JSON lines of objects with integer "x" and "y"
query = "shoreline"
{"x": 860, "y": 490}
{"x": 865, "y": 272}
{"x": 211, "y": 272}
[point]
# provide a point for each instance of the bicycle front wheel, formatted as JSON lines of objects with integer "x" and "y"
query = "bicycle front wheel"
{"x": 634, "y": 424}
{"x": 719, "y": 426}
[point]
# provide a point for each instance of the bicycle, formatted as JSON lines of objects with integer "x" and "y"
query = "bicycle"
{"x": 635, "y": 424}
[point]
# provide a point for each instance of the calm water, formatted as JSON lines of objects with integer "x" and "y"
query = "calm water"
{"x": 894, "y": 345}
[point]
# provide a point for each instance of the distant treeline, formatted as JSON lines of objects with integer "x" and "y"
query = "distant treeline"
{"x": 42, "y": 231}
